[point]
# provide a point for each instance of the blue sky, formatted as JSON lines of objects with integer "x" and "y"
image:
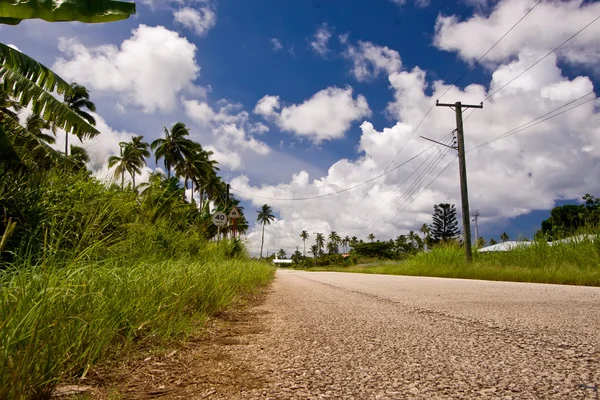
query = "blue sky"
{"x": 403, "y": 48}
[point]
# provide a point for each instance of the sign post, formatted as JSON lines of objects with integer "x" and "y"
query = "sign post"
{"x": 219, "y": 219}
{"x": 234, "y": 214}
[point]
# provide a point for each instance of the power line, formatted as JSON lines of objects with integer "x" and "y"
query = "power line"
{"x": 334, "y": 193}
{"x": 409, "y": 192}
{"x": 541, "y": 59}
{"x": 404, "y": 181}
{"x": 524, "y": 126}
{"x": 490, "y": 49}
{"x": 447, "y": 90}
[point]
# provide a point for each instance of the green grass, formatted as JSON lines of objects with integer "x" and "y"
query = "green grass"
{"x": 564, "y": 263}
{"x": 56, "y": 322}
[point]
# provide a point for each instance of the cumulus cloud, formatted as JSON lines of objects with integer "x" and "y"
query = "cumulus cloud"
{"x": 369, "y": 59}
{"x": 327, "y": 115}
{"x": 229, "y": 126}
{"x": 558, "y": 20}
{"x": 199, "y": 20}
{"x": 555, "y": 159}
{"x": 150, "y": 69}
{"x": 320, "y": 40}
{"x": 418, "y": 3}
{"x": 276, "y": 44}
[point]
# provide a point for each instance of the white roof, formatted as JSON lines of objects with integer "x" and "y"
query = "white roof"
{"x": 505, "y": 246}
{"x": 282, "y": 261}
{"x": 513, "y": 244}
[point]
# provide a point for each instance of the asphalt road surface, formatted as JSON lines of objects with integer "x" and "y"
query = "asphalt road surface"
{"x": 355, "y": 336}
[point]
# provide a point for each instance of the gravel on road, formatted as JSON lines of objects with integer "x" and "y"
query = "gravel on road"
{"x": 354, "y": 336}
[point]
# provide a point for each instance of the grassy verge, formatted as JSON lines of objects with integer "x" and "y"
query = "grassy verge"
{"x": 56, "y": 322}
{"x": 563, "y": 263}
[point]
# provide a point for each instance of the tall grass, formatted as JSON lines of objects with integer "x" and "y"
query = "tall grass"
{"x": 90, "y": 269}
{"x": 57, "y": 321}
{"x": 573, "y": 263}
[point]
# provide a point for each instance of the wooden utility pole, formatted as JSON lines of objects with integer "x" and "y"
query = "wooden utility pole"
{"x": 475, "y": 218}
{"x": 462, "y": 165}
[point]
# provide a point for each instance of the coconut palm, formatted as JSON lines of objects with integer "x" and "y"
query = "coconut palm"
{"x": 281, "y": 253}
{"x": 265, "y": 216}
{"x": 121, "y": 167}
{"x": 353, "y": 240}
{"x": 320, "y": 242}
{"x": 412, "y": 238}
{"x": 504, "y": 237}
{"x": 78, "y": 158}
{"x": 136, "y": 152}
{"x": 371, "y": 237}
{"x": 174, "y": 148}
{"x": 78, "y": 99}
{"x": 346, "y": 242}
{"x": 304, "y": 236}
{"x": 425, "y": 229}
{"x": 334, "y": 239}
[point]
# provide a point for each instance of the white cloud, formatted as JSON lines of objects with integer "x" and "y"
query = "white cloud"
{"x": 547, "y": 26}
{"x": 276, "y": 44}
{"x": 267, "y": 106}
{"x": 369, "y": 59}
{"x": 418, "y": 3}
{"x": 229, "y": 126}
{"x": 150, "y": 69}
{"x": 12, "y": 46}
{"x": 320, "y": 40}
{"x": 199, "y": 20}
{"x": 510, "y": 177}
{"x": 327, "y": 115}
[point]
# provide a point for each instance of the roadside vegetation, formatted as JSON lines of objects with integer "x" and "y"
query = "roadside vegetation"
{"x": 566, "y": 250}
{"x": 90, "y": 268}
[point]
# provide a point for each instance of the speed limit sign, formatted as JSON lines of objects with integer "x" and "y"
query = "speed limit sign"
{"x": 219, "y": 218}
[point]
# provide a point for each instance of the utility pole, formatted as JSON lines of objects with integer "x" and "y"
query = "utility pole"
{"x": 475, "y": 217}
{"x": 462, "y": 166}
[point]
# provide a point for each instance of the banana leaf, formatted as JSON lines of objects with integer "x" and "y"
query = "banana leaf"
{"x": 12, "y": 12}
{"x": 32, "y": 83}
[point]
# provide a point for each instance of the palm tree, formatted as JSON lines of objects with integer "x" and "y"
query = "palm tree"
{"x": 78, "y": 158}
{"x": 371, "y": 237}
{"x": 265, "y": 216}
{"x": 493, "y": 242}
{"x": 137, "y": 151}
{"x": 174, "y": 148}
{"x": 121, "y": 163}
{"x": 411, "y": 237}
{"x": 346, "y": 242}
{"x": 320, "y": 242}
{"x": 334, "y": 239}
{"x": 304, "y": 236}
{"x": 78, "y": 99}
{"x": 353, "y": 241}
{"x": 425, "y": 229}
{"x": 314, "y": 249}
{"x": 281, "y": 253}
{"x": 504, "y": 237}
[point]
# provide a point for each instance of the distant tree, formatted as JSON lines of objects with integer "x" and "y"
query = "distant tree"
{"x": 371, "y": 237}
{"x": 320, "y": 242}
{"x": 334, "y": 240}
{"x": 412, "y": 238}
{"x": 78, "y": 100}
{"x": 78, "y": 158}
{"x": 346, "y": 242}
{"x": 425, "y": 230}
{"x": 504, "y": 237}
{"x": 353, "y": 240}
{"x": 304, "y": 236}
{"x": 314, "y": 249}
{"x": 493, "y": 242}
{"x": 445, "y": 222}
{"x": 281, "y": 253}
{"x": 297, "y": 257}
{"x": 265, "y": 216}
{"x": 480, "y": 242}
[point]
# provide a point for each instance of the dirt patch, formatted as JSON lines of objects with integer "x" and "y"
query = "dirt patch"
{"x": 203, "y": 367}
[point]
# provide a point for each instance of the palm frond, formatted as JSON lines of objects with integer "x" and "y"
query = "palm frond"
{"x": 27, "y": 92}
{"x": 13, "y": 12}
